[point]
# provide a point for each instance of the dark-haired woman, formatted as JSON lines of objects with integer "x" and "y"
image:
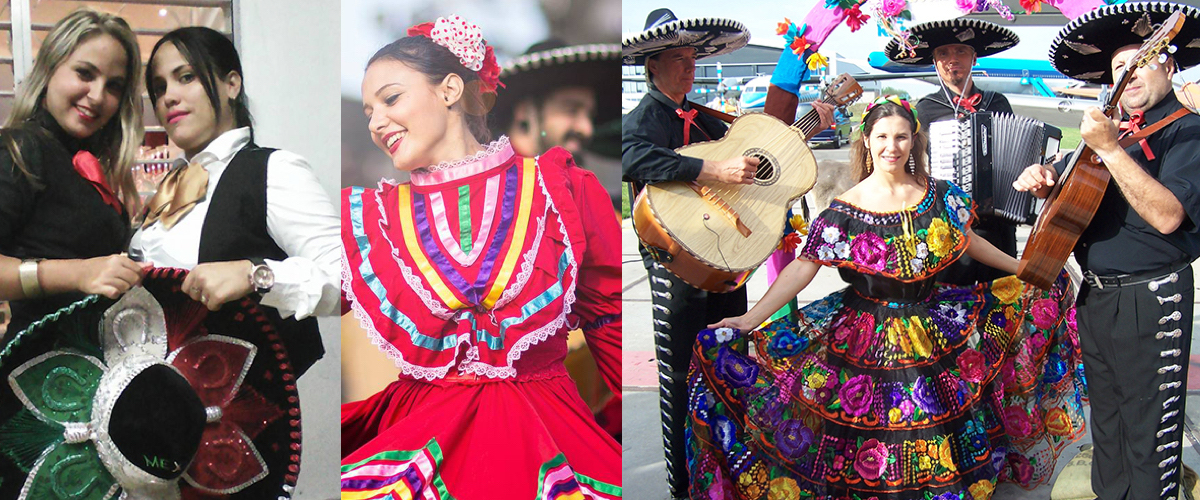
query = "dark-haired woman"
{"x": 245, "y": 219}
{"x": 896, "y": 387}
{"x": 469, "y": 277}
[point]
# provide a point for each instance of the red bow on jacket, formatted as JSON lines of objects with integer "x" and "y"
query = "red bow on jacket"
{"x": 1135, "y": 123}
{"x": 968, "y": 103}
{"x": 89, "y": 168}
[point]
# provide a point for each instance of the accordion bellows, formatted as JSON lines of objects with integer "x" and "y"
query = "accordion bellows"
{"x": 984, "y": 153}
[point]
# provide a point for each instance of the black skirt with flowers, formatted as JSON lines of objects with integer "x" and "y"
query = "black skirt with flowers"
{"x": 895, "y": 387}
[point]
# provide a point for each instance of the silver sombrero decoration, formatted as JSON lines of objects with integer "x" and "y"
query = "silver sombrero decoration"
{"x": 710, "y": 36}
{"x": 986, "y": 38}
{"x": 1083, "y": 49}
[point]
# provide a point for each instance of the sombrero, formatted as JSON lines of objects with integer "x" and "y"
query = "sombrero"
{"x": 150, "y": 396}
{"x": 550, "y": 65}
{"x": 986, "y": 38}
{"x": 1083, "y": 49}
{"x": 710, "y": 36}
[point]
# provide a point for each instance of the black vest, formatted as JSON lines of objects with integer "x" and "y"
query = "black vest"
{"x": 235, "y": 228}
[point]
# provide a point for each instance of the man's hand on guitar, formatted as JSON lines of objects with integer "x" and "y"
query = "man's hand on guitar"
{"x": 1037, "y": 179}
{"x": 1098, "y": 131}
{"x": 736, "y": 170}
{"x": 825, "y": 111}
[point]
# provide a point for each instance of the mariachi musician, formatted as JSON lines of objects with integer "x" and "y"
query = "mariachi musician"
{"x": 1135, "y": 307}
{"x": 662, "y": 121}
{"x": 953, "y": 46}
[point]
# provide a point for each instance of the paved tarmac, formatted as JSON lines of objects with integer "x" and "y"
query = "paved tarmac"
{"x": 644, "y": 469}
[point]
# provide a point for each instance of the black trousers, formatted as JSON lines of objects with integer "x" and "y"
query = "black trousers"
{"x": 680, "y": 312}
{"x": 1135, "y": 341}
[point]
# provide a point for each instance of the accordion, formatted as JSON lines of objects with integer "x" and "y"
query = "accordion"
{"x": 984, "y": 153}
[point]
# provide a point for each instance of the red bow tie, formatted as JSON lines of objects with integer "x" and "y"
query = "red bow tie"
{"x": 969, "y": 103}
{"x": 689, "y": 120}
{"x": 89, "y": 168}
{"x": 1135, "y": 123}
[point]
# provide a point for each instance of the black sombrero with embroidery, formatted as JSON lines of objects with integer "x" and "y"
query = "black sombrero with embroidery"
{"x": 710, "y": 36}
{"x": 148, "y": 397}
{"x": 1083, "y": 49}
{"x": 551, "y": 65}
{"x": 986, "y": 38}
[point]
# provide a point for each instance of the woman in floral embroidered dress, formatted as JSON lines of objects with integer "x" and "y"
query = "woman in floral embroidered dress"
{"x": 469, "y": 278}
{"x": 895, "y": 387}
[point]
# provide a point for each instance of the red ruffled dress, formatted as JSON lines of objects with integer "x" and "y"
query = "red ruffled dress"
{"x": 469, "y": 278}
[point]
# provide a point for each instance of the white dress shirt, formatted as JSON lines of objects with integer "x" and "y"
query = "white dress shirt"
{"x": 301, "y": 219}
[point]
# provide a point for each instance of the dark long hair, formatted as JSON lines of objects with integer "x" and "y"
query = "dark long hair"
{"x": 435, "y": 62}
{"x": 859, "y": 153}
{"x": 212, "y": 56}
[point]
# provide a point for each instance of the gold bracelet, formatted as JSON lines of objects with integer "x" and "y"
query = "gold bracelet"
{"x": 28, "y": 274}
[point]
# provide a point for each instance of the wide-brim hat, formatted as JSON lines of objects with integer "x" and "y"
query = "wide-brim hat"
{"x": 150, "y": 396}
{"x": 986, "y": 38}
{"x": 1083, "y": 49}
{"x": 710, "y": 36}
{"x": 551, "y": 65}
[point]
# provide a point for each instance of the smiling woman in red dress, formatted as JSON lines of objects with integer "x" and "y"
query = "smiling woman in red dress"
{"x": 469, "y": 277}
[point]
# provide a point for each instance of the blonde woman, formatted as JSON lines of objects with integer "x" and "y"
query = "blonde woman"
{"x": 66, "y": 189}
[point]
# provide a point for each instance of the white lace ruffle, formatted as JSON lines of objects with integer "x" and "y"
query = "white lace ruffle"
{"x": 364, "y": 321}
{"x": 492, "y": 148}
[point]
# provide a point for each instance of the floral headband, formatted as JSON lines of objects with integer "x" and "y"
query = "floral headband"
{"x": 466, "y": 42}
{"x": 894, "y": 99}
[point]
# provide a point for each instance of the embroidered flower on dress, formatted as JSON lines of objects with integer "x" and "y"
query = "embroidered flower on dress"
{"x": 1071, "y": 324}
{"x": 869, "y": 250}
{"x": 872, "y": 459}
{"x": 982, "y": 489}
{"x": 787, "y": 343}
{"x": 1056, "y": 369}
{"x": 940, "y": 238}
{"x": 972, "y": 366}
{"x": 842, "y": 250}
{"x": 925, "y": 396}
{"x": 1058, "y": 423}
{"x": 856, "y": 395}
{"x": 784, "y": 488}
{"x": 1045, "y": 311}
{"x": 945, "y": 457}
{"x": 735, "y": 369}
{"x": 1022, "y": 471}
{"x": 1007, "y": 289}
{"x": 825, "y": 253}
{"x": 831, "y": 234}
{"x": 922, "y": 250}
{"x": 918, "y": 265}
{"x": 724, "y": 432}
{"x": 793, "y": 438}
{"x": 723, "y": 334}
{"x": 707, "y": 339}
{"x": 1016, "y": 422}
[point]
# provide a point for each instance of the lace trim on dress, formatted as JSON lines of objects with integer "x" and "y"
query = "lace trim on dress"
{"x": 541, "y": 334}
{"x": 414, "y": 281}
{"x": 397, "y": 357}
{"x": 439, "y": 173}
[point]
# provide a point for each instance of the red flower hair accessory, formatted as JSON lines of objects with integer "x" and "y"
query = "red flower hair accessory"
{"x": 466, "y": 42}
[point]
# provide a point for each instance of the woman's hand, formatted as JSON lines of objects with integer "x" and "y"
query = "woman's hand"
{"x": 741, "y": 323}
{"x": 215, "y": 283}
{"x": 110, "y": 276}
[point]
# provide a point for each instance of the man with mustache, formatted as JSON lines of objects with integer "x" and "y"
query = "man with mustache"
{"x": 556, "y": 95}
{"x": 1135, "y": 308}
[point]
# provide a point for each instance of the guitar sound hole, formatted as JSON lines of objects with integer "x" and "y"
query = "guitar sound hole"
{"x": 768, "y": 167}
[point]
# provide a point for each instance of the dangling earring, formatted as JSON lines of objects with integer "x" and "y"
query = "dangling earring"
{"x": 870, "y": 164}
{"x": 912, "y": 164}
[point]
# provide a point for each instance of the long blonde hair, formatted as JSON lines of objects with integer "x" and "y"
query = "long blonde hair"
{"x": 117, "y": 142}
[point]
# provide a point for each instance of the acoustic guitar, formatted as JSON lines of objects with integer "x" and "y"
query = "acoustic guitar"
{"x": 712, "y": 234}
{"x": 1076, "y": 196}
